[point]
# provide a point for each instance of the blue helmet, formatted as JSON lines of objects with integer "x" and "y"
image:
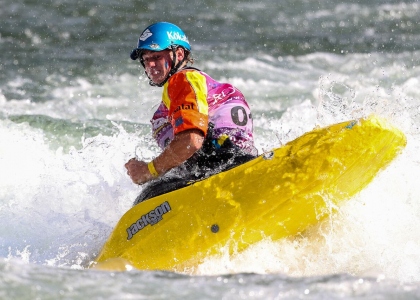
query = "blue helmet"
{"x": 160, "y": 36}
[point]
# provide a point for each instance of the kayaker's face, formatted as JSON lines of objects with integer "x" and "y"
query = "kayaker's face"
{"x": 158, "y": 64}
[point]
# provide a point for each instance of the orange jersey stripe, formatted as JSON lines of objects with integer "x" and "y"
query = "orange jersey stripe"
{"x": 186, "y": 95}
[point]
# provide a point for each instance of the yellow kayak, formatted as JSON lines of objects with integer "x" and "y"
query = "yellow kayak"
{"x": 277, "y": 195}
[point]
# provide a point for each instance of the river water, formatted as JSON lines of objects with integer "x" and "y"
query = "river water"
{"x": 74, "y": 108}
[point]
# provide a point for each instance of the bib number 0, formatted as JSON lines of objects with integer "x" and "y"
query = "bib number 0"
{"x": 239, "y": 115}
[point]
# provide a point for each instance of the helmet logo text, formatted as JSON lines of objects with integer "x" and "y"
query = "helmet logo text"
{"x": 177, "y": 36}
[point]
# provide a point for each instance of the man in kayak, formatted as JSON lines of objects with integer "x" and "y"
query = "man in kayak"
{"x": 203, "y": 126}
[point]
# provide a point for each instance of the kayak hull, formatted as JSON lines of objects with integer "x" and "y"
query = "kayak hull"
{"x": 277, "y": 195}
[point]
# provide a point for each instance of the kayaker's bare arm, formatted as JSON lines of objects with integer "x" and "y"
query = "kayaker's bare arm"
{"x": 182, "y": 147}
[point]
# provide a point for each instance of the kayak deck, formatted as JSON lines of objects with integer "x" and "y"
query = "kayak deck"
{"x": 276, "y": 195}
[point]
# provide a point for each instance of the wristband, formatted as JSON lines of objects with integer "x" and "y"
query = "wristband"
{"x": 152, "y": 169}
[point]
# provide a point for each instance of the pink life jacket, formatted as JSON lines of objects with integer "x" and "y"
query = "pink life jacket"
{"x": 191, "y": 99}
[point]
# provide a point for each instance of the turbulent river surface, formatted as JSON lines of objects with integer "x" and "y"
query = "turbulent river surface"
{"x": 74, "y": 108}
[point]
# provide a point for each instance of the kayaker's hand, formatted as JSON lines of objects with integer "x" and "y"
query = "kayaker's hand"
{"x": 138, "y": 171}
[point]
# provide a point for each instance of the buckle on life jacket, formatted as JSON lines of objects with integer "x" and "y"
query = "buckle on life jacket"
{"x": 218, "y": 143}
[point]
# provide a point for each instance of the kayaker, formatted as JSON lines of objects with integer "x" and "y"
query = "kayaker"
{"x": 202, "y": 126}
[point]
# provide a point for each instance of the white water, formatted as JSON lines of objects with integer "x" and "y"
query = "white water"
{"x": 60, "y": 206}
{"x": 63, "y": 185}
